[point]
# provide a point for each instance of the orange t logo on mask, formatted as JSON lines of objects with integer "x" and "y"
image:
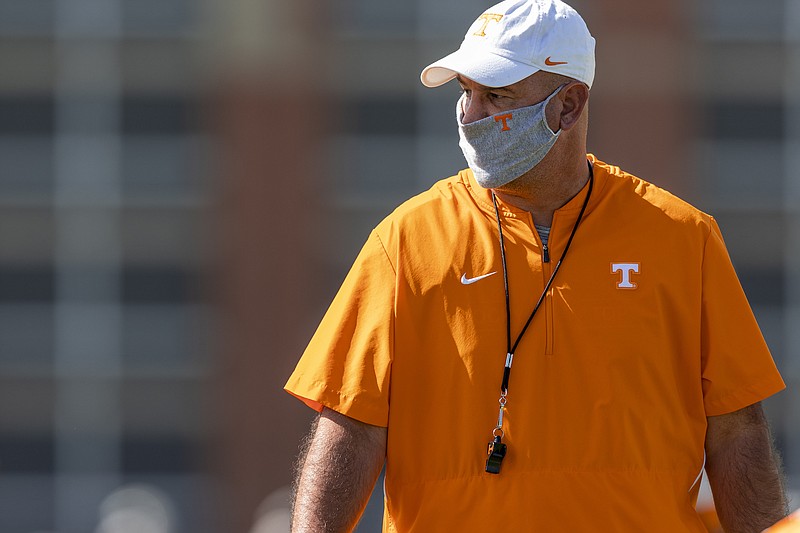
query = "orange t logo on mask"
{"x": 503, "y": 119}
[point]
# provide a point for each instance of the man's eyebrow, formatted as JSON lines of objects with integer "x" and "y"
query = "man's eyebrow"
{"x": 502, "y": 89}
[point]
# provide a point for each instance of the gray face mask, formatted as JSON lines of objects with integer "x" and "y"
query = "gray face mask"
{"x": 503, "y": 147}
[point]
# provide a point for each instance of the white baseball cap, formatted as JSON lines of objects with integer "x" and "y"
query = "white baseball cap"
{"x": 515, "y": 39}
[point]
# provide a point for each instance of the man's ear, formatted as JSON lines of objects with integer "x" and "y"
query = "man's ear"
{"x": 573, "y": 98}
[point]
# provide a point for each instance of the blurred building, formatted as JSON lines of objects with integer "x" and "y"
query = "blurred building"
{"x": 106, "y": 333}
{"x": 183, "y": 186}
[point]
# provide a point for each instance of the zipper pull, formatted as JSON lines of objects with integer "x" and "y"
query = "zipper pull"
{"x": 545, "y": 253}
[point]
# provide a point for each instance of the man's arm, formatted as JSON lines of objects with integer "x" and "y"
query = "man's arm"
{"x": 744, "y": 471}
{"x": 337, "y": 469}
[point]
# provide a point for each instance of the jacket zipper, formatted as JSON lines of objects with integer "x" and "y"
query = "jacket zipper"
{"x": 548, "y": 299}
{"x": 548, "y": 304}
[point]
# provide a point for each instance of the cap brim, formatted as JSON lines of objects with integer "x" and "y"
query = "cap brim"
{"x": 483, "y": 67}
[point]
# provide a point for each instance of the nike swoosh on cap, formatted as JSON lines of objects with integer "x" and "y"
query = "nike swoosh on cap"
{"x": 469, "y": 281}
{"x": 550, "y": 63}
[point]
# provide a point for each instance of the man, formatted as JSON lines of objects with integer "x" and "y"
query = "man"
{"x": 542, "y": 342}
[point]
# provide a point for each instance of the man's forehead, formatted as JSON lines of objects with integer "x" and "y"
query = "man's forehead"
{"x": 463, "y": 80}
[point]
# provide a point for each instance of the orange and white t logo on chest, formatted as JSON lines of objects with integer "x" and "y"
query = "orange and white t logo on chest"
{"x": 625, "y": 269}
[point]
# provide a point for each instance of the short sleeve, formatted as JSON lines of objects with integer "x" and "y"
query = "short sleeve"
{"x": 737, "y": 368}
{"x": 347, "y": 364}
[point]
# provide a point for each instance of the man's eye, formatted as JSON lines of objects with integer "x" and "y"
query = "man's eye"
{"x": 495, "y": 96}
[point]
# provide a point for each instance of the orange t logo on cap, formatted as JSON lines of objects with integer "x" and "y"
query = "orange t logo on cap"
{"x": 487, "y": 18}
{"x": 503, "y": 119}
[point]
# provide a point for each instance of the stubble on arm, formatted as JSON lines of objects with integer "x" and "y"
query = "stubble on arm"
{"x": 340, "y": 460}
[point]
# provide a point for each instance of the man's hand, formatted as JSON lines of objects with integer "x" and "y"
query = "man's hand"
{"x": 744, "y": 471}
{"x": 336, "y": 472}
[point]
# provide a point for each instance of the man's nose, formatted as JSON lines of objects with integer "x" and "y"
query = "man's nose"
{"x": 474, "y": 109}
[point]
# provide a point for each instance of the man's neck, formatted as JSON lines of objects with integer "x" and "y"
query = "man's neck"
{"x": 541, "y": 191}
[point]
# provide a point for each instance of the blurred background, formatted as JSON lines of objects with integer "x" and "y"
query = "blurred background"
{"x": 184, "y": 184}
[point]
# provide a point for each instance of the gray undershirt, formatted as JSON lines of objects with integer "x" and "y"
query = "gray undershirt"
{"x": 544, "y": 233}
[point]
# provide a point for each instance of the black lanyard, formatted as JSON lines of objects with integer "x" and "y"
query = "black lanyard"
{"x": 497, "y": 450}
